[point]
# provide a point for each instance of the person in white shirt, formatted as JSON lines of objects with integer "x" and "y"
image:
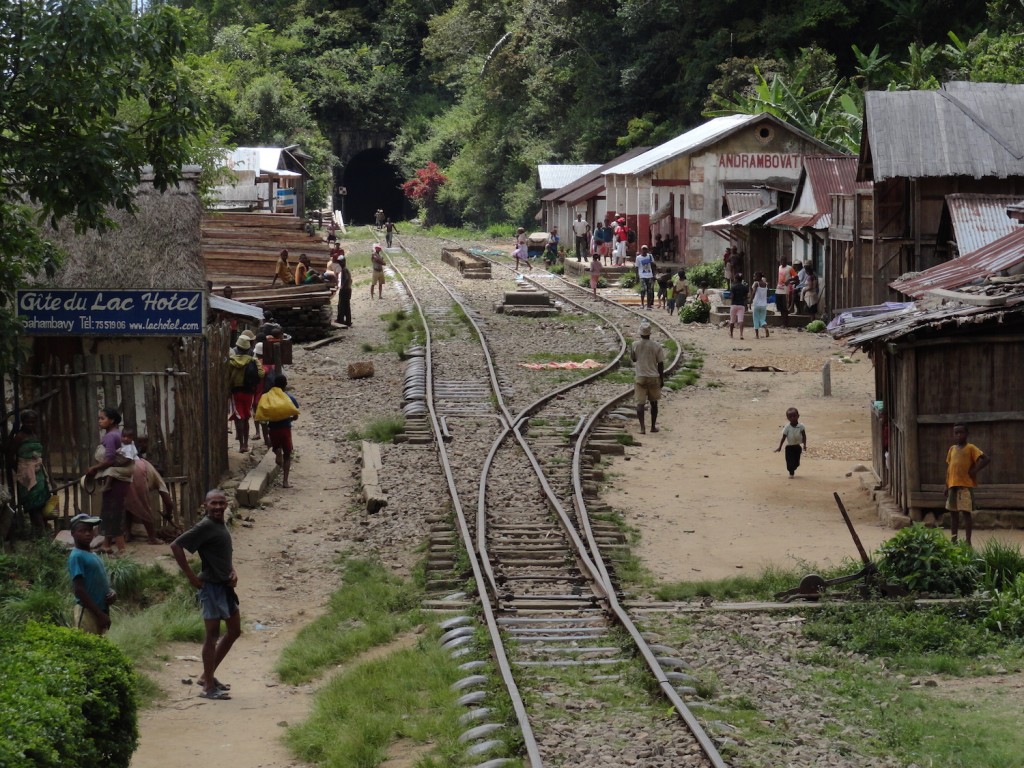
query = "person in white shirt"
{"x": 580, "y": 229}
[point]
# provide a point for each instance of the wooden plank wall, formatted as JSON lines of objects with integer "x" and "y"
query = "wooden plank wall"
{"x": 185, "y": 412}
{"x": 969, "y": 379}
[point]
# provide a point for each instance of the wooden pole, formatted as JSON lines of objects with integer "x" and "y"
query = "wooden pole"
{"x": 826, "y": 379}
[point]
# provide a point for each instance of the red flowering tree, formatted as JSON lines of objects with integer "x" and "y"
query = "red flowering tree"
{"x": 422, "y": 189}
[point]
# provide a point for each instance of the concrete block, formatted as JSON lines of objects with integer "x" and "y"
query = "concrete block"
{"x": 255, "y": 484}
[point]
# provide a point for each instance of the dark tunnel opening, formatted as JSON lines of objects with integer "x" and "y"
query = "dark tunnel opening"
{"x": 371, "y": 183}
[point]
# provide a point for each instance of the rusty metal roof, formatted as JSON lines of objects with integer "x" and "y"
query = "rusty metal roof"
{"x": 1004, "y": 254}
{"x": 980, "y": 219}
{"x": 741, "y": 219}
{"x": 962, "y": 129}
{"x": 1000, "y": 300}
{"x": 822, "y": 176}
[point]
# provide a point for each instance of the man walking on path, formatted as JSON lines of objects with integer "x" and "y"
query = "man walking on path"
{"x": 377, "y": 280}
{"x": 645, "y": 271}
{"x": 216, "y": 583}
{"x": 579, "y": 229}
{"x": 390, "y": 231}
{"x": 244, "y": 374}
{"x": 739, "y": 291}
{"x": 649, "y": 362}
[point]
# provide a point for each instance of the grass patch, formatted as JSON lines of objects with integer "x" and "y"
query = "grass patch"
{"x": 139, "y": 634}
{"x": 371, "y": 608}
{"x": 405, "y": 696}
{"x": 404, "y": 330}
{"x": 762, "y": 587}
{"x": 562, "y": 357}
{"x": 491, "y": 232}
{"x": 380, "y": 431}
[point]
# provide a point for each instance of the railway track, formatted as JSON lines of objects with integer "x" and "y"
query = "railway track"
{"x": 521, "y": 453}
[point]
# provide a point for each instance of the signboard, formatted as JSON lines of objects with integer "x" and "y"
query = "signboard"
{"x": 62, "y": 312}
{"x": 760, "y": 160}
{"x": 285, "y": 200}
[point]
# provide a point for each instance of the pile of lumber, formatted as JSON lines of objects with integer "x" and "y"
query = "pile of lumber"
{"x": 303, "y": 311}
{"x": 241, "y": 249}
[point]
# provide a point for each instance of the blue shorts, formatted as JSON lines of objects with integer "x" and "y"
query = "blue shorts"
{"x": 219, "y": 601}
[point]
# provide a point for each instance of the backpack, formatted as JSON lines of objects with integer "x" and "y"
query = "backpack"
{"x": 631, "y": 237}
{"x": 251, "y": 376}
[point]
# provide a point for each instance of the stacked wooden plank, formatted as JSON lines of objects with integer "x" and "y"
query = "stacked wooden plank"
{"x": 303, "y": 310}
{"x": 241, "y": 249}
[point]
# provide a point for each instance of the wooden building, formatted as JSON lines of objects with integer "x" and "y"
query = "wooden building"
{"x": 917, "y": 148}
{"x": 954, "y": 356}
{"x": 168, "y": 381}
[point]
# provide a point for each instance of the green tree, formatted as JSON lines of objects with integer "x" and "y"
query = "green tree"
{"x": 90, "y": 94}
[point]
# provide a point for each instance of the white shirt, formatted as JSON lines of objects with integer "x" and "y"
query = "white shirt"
{"x": 645, "y": 266}
{"x": 579, "y": 228}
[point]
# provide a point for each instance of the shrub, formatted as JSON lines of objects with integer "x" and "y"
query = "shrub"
{"x": 1006, "y": 614}
{"x": 924, "y": 560}
{"x": 695, "y": 312}
{"x": 1003, "y": 563}
{"x": 712, "y": 273}
{"x": 629, "y": 280}
{"x": 816, "y": 326}
{"x": 66, "y": 698}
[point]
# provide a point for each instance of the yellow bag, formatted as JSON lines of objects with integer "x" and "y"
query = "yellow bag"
{"x": 275, "y": 405}
{"x": 51, "y": 510}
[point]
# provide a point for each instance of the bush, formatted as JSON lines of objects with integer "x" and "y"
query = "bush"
{"x": 816, "y": 326}
{"x": 712, "y": 273}
{"x": 924, "y": 560}
{"x": 695, "y": 312}
{"x": 66, "y": 698}
{"x": 629, "y": 280}
{"x": 1006, "y": 614}
{"x": 1003, "y": 563}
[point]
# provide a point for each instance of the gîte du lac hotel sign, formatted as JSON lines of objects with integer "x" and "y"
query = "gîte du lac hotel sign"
{"x": 760, "y": 160}
{"x": 64, "y": 312}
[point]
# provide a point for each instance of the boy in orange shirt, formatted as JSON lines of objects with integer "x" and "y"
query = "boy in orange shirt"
{"x": 963, "y": 462}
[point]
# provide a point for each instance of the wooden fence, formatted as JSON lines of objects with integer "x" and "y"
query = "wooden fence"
{"x": 181, "y": 409}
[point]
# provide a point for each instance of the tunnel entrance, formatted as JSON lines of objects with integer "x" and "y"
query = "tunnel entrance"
{"x": 371, "y": 183}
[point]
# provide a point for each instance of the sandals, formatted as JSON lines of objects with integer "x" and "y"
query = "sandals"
{"x": 217, "y": 694}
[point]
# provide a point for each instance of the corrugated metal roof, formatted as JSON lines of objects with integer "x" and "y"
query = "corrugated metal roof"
{"x": 980, "y": 219}
{"x": 587, "y": 191}
{"x": 827, "y": 175}
{"x": 963, "y": 129}
{"x": 741, "y": 219}
{"x": 1004, "y": 254}
{"x": 700, "y": 137}
{"x": 569, "y": 189}
{"x": 557, "y": 176}
{"x": 748, "y": 199}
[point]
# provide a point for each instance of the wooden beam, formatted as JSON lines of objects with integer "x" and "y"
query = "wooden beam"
{"x": 969, "y": 418}
{"x": 974, "y": 299}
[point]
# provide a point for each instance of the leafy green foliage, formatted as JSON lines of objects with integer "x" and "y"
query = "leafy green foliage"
{"x": 711, "y": 274}
{"x": 629, "y": 280}
{"x": 67, "y": 700}
{"x": 898, "y": 629}
{"x": 816, "y": 326}
{"x": 924, "y": 560}
{"x": 695, "y": 312}
{"x": 1006, "y": 613}
{"x": 1003, "y": 562}
{"x": 92, "y": 93}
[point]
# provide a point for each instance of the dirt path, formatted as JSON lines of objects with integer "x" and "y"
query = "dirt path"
{"x": 284, "y": 554}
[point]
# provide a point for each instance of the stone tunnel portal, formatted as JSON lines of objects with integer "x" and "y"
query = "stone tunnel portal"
{"x": 371, "y": 183}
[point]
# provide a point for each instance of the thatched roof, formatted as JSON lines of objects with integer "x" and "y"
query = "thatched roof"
{"x": 156, "y": 248}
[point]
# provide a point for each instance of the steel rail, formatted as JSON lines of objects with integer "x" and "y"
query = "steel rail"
{"x": 620, "y": 613}
{"x": 500, "y": 655}
{"x": 588, "y": 555}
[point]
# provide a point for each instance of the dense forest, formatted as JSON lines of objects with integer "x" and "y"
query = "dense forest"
{"x": 487, "y": 89}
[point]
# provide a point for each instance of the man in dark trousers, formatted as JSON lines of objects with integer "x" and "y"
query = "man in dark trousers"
{"x": 216, "y": 583}
{"x": 344, "y": 294}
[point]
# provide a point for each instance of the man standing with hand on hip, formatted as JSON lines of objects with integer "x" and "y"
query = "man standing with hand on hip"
{"x": 216, "y": 583}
